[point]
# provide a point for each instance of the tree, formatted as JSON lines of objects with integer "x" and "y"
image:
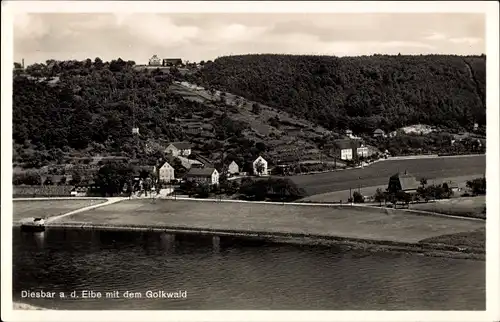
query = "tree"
{"x": 357, "y": 197}
{"x": 379, "y": 196}
{"x": 112, "y": 177}
{"x": 423, "y": 182}
{"x": 478, "y": 186}
{"x": 259, "y": 167}
{"x": 76, "y": 178}
{"x": 203, "y": 190}
{"x": 256, "y": 108}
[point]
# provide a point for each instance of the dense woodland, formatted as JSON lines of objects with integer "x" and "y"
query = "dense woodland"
{"x": 90, "y": 107}
{"x": 360, "y": 93}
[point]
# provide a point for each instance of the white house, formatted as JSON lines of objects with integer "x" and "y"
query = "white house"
{"x": 261, "y": 163}
{"x": 346, "y": 148}
{"x": 166, "y": 172}
{"x": 233, "y": 168}
{"x": 155, "y": 61}
{"x": 363, "y": 151}
{"x": 179, "y": 148}
{"x": 349, "y": 133}
{"x": 203, "y": 175}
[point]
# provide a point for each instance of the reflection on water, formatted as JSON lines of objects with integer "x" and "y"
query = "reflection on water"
{"x": 218, "y": 275}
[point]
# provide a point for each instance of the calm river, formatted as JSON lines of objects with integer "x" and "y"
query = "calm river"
{"x": 279, "y": 277}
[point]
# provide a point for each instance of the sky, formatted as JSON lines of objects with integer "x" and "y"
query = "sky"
{"x": 206, "y": 36}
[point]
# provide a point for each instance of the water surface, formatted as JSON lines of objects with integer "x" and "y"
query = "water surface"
{"x": 279, "y": 277}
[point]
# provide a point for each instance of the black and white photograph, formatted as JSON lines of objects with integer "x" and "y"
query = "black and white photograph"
{"x": 242, "y": 160}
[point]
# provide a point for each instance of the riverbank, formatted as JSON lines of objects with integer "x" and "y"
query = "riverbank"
{"x": 440, "y": 246}
{"x": 355, "y": 226}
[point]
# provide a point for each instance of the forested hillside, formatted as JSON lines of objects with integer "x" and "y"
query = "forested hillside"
{"x": 361, "y": 93}
{"x": 85, "y": 108}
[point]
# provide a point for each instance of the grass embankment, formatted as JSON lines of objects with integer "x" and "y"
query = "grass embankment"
{"x": 472, "y": 240}
{"x": 464, "y": 206}
{"x": 335, "y": 221}
{"x": 378, "y": 173}
{"x": 48, "y": 208}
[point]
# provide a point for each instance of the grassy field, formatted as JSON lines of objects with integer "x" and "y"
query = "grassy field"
{"x": 48, "y": 208}
{"x": 343, "y": 195}
{"x": 379, "y": 173}
{"x": 348, "y": 222}
{"x": 464, "y": 206}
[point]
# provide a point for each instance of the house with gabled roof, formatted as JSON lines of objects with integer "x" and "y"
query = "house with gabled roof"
{"x": 166, "y": 172}
{"x": 179, "y": 149}
{"x": 259, "y": 166}
{"x": 346, "y": 148}
{"x": 233, "y": 168}
{"x": 403, "y": 182}
{"x": 203, "y": 175}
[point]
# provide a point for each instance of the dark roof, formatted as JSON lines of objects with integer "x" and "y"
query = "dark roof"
{"x": 378, "y": 131}
{"x": 181, "y": 145}
{"x": 200, "y": 172}
{"x": 172, "y": 60}
{"x": 162, "y": 163}
{"x": 407, "y": 181}
{"x": 346, "y": 144}
{"x": 206, "y": 162}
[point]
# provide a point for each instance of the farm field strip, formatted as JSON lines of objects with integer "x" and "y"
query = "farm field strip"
{"x": 378, "y": 173}
{"x": 370, "y": 190}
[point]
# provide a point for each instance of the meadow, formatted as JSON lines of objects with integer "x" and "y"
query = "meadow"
{"x": 23, "y": 209}
{"x": 339, "y": 221}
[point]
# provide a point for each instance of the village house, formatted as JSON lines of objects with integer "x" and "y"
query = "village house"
{"x": 366, "y": 151}
{"x": 363, "y": 151}
{"x": 203, "y": 175}
{"x": 476, "y": 126}
{"x": 154, "y": 61}
{"x": 348, "y": 133}
{"x": 179, "y": 149}
{"x": 378, "y": 133}
{"x": 403, "y": 182}
{"x": 259, "y": 167}
{"x": 233, "y": 168}
{"x": 166, "y": 172}
{"x": 346, "y": 148}
{"x": 169, "y": 62}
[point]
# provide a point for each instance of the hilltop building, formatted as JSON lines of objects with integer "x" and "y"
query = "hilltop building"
{"x": 154, "y": 61}
{"x": 172, "y": 62}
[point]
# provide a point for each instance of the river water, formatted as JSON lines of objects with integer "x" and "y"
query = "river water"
{"x": 243, "y": 276}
